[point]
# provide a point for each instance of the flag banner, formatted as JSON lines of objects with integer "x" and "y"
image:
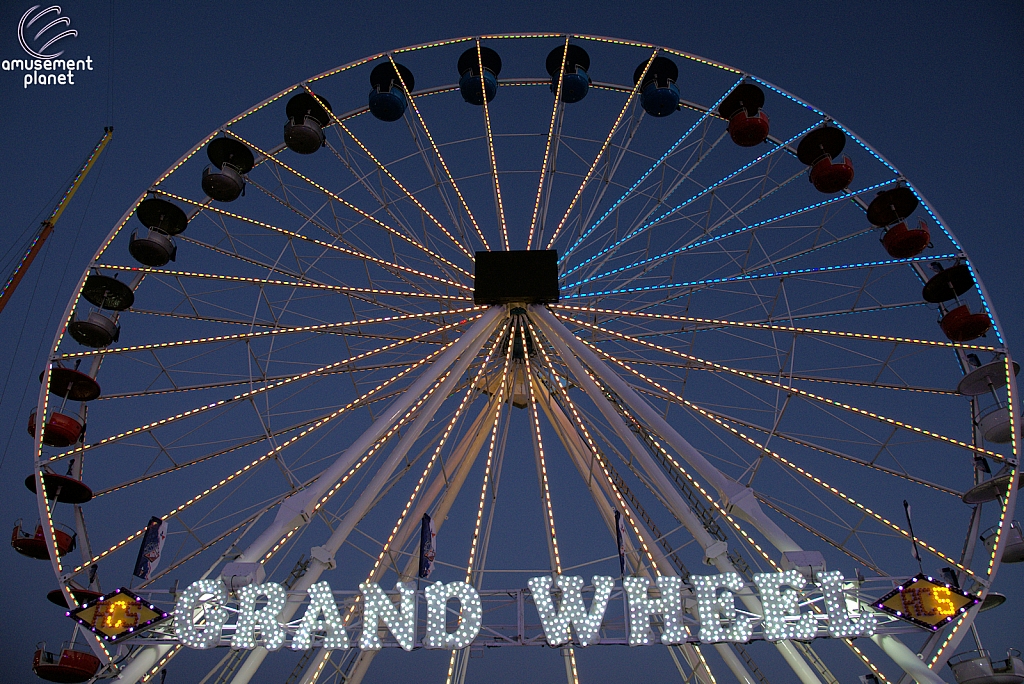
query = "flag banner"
{"x": 620, "y": 539}
{"x": 913, "y": 539}
{"x": 152, "y": 545}
{"x": 428, "y": 548}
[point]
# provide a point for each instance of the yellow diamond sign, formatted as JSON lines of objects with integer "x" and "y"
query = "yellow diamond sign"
{"x": 926, "y": 602}
{"x": 117, "y": 615}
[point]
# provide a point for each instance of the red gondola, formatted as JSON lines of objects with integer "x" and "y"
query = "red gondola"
{"x": 63, "y": 488}
{"x": 829, "y": 177}
{"x": 61, "y": 429}
{"x": 34, "y": 545}
{"x": 748, "y": 131}
{"x": 960, "y": 325}
{"x": 902, "y": 242}
{"x": 70, "y": 666}
{"x": 56, "y": 596}
{"x": 748, "y": 125}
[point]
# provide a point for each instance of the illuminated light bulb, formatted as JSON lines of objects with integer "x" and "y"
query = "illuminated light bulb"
{"x": 841, "y": 623}
{"x": 571, "y": 610}
{"x": 716, "y": 609}
{"x": 400, "y": 619}
{"x": 782, "y": 616}
{"x": 322, "y": 615}
{"x": 264, "y": 620}
{"x": 470, "y": 615}
{"x": 642, "y": 607}
{"x": 199, "y": 614}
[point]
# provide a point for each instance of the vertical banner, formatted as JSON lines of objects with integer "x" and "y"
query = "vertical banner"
{"x": 428, "y": 548}
{"x": 152, "y": 545}
{"x": 620, "y": 540}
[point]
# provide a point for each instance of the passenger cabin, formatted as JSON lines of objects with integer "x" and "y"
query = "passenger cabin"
{"x": 819, "y": 150}
{"x": 748, "y": 124}
{"x": 230, "y": 160}
{"x": 96, "y": 326}
{"x": 977, "y": 667}
{"x": 153, "y": 246}
{"x": 389, "y": 83}
{"x": 61, "y": 429}
{"x": 34, "y": 544}
{"x": 890, "y": 210}
{"x": 70, "y": 666}
{"x": 308, "y": 116}
{"x": 659, "y": 94}
{"x": 957, "y": 323}
{"x": 575, "y": 81}
{"x": 1013, "y": 548}
{"x": 470, "y": 75}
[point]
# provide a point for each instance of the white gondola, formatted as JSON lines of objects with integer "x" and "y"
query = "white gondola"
{"x": 1013, "y": 551}
{"x": 977, "y": 667}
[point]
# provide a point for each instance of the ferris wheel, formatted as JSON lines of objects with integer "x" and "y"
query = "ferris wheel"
{"x": 581, "y": 304}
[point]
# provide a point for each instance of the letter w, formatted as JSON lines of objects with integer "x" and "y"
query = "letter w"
{"x": 571, "y": 611}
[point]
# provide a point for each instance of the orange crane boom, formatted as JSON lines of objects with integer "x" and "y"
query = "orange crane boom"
{"x": 47, "y": 226}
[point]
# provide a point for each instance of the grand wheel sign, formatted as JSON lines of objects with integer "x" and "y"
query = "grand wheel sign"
{"x": 207, "y": 616}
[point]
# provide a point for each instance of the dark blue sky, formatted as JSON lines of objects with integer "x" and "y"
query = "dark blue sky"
{"x": 936, "y": 87}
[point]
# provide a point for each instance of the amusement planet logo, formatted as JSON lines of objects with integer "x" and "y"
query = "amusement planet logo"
{"x": 39, "y": 32}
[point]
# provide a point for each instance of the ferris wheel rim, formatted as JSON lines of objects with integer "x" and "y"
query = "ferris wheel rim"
{"x": 45, "y": 511}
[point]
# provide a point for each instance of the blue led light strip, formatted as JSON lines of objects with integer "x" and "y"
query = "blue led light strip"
{"x": 693, "y": 199}
{"x": 761, "y": 276}
{"x": 649, "y": 171}
{"x": 723, "y": 236}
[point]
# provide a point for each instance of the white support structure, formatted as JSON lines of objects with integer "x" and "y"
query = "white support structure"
{"x": 296, "y": 511}
{"x": 147, "y": 658}
{"x": 462, "y": 459}
{"x": 740, "y": 498}
{"x": 322, "y": 557}
{"x": 566, "y": 344}
{"x": 578, "y": 453}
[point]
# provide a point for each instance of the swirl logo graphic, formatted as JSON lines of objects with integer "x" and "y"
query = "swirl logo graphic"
{"x": 25, "y": 25}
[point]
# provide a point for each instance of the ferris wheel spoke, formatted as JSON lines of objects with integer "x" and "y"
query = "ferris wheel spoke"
{"x": 437, "y": 153}
{"x": 260, "y": 390}
{"x": 710, "y": 188}
{"x": 847, "y": 499}
{"x": 233, "y": 254}
{"x": 499, "y": 204}
{"x": 384, "y": 169}
{"x": 270, "y": 454}
{"x": 732, "y": 211}
{"x": 262, "y": 282}
{"x": 268, "y": 436}
{"x": 681, "y": 176}
{"x": 694, "y": 285}
{"x": 706, "y": 412}
{"x": 456, "y": 670}
{"x": 555, "y": 109}
{"x": 787, "y": 388}
{"x": 383, "y": 263}
{"x": 604, "y": 146}
{"x": 828, "y": 540}
{"x": 248, "y": 336}
{"x": 567, "y": 345}
{"x": 703, "y": 240}
{"x": 657, "y": 164}
{"x": 714, "y": 323}
{"x": 272, "y": 269}
{"x": 595, "y": 455}
{"x": 330, "y": 195}
{"x": 458, "y": 467}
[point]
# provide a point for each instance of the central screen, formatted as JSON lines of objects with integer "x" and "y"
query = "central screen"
{"x": 529, "y": 276}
